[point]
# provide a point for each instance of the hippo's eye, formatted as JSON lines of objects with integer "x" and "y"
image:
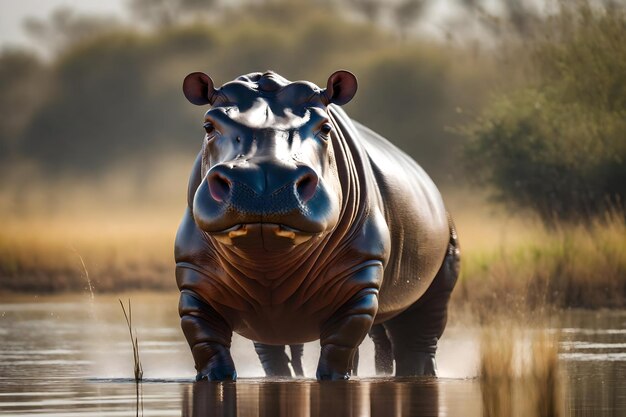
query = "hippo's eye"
{"x": 326, "y": 128}
{"x": 209, "y": 128}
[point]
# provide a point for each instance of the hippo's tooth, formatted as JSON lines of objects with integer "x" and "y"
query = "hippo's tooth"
{"x": 237, "y": 231}
{"x": 282, "y": 232}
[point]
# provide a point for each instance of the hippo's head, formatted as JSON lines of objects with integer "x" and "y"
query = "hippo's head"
{"x": 269, "y": 175}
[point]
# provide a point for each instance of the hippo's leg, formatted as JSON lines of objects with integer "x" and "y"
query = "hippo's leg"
{"x": 414, "y": 333}
{"x": 273, "y": 358}
{"x": 345, "y": 330}
{"x": 209, "y": 338}
{"x": 383, "y": 355}
{"x": 275, "y": 361}
{"x": 296, "y": 359}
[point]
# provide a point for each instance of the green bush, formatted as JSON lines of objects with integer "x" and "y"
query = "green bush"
{"x": 558, "y": 146}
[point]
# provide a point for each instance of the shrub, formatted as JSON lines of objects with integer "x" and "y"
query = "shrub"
{"x": 558, "y": 146}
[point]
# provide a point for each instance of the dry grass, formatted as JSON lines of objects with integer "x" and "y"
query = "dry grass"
{"x": 122, "y": 226}
{"x": 497, "y": 373}
{"x": 544, "y": 379}
{"x": 573, "y": 266}
{"x": 509, "y": 263}
{"x": 519, "y": 373}
{"x": 122, "y": 251}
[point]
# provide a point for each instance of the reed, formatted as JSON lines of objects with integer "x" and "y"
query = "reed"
{"x": 544, "y": 379}
{"x": 519, "y": 373}
{"x": 138, "y": 370}
{"x": 497, "y": 372}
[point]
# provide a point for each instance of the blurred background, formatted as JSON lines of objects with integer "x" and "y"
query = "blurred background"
{"x": 516, "y": 109}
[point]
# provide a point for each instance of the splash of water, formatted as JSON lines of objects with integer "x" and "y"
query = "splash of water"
{"x": 86, "y": 272}
{"x": 89, "y": 285}
{"x": 92, "y": 307}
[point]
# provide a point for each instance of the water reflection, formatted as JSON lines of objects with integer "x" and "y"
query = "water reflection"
{"x": 139, "y": 398}
{"x": 307, "y": 398}
{"x": 210, "y": 399}
{"x": 56, "y": 360}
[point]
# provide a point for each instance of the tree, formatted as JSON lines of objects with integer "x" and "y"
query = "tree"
{"x": 64, "y": 27}
{"x": 23, "y": 81}
{"x": 164, "y": 13}
{"x": 557, "y": 146}
{"x": 370, "y": 9}
{"x": 511, "y": 18}
{"x": 406, "y": 14}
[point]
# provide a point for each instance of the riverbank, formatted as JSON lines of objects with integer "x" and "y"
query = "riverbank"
{"x": 508, "y": 262}
{"x": 569, "y": 267}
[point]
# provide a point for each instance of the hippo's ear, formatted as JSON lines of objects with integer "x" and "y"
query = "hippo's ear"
{"x": 341, "y": 87}
{"x": 198, "y": 88}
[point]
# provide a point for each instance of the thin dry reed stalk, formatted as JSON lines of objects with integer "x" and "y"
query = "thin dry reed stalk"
{"x": 138, "y": 370}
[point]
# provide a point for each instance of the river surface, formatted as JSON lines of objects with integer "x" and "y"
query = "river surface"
{"x": 72, "y": 356}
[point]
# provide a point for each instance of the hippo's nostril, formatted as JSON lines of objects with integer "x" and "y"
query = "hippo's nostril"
{"x": 306, "y": 185}
{"x": 219, "y": 186}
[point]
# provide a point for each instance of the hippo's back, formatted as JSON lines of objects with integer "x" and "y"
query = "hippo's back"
{"x": 417, "y": 221}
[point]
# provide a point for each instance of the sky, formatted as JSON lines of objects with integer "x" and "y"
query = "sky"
{"x": 13, "y": 12}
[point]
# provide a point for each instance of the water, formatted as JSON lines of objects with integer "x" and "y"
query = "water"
{"x": 69, "y": 356}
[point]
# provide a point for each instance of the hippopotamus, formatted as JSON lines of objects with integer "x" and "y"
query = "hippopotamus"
{"x": 302, "y": 224}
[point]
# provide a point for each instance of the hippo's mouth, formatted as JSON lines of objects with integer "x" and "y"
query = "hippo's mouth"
{"x": 272, "y": 235}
